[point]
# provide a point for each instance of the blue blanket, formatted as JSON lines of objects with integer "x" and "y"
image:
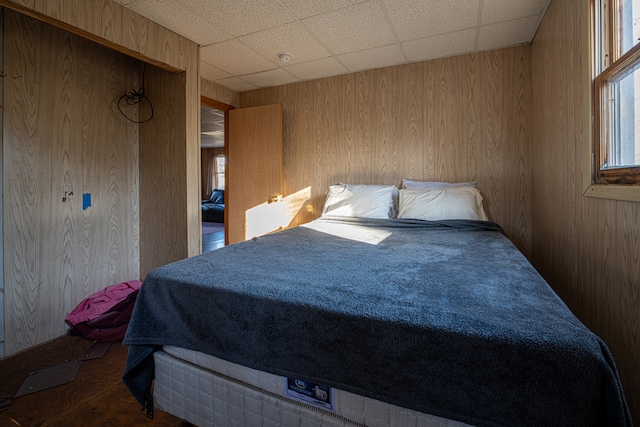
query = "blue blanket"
{"x": 446, "y": 318}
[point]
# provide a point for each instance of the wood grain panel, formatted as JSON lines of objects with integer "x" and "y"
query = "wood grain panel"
{"x": 66, "y": 134}
{"x": 219, "y": 93}
{"x": 112, "y": 25}
{"x": 2, "y": 322}
{"x": 24, "y": 188}
{"x": 66, "y": 139}
{"x": 63, "y": 137}
{"x": 163, "y": 184}
{"x": 190, "y": 100}
{"x": 586, "y": 248}
{"x": 253, "y": 172}
{"x": 409, "y": 147}
{"x": 454, "y": 119}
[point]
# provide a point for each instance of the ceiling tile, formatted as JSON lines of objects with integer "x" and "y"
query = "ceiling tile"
{"x": 306, "y": 8}
{"x": 320, "y": 68}
{"x": 518, "y": 31}
{"x": 211, "y": 73}
{"x": 235, "y": 58}
{"x": 373, "y": 58}
{"x": 211, "y": 127}
{"x": 237, "y": 84}
{"x": 500, "y": 10}
{"x": 211, "y": 119}
{"x": 414, "y": 19}
{"x": 240, "y": 17}
{"x": 240, "y": 39}
{"x": 293, "y": 38}
{"x": 180, "y": 18}
{"x": 355, "y": 28}
{"x": 207, "y": 141}
{"x": 270, "y": 78}
{"x": 440, "y": 46}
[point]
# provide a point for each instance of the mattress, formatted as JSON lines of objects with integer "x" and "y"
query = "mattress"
{"x": 207, "y": 391}
{"x": 440, "y": 317}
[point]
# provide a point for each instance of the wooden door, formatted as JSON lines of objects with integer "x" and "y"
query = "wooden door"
{"x": 254, "y": 172}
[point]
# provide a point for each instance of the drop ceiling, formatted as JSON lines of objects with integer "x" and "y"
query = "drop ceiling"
{"x": 241, "y": 39}
{"x": 211, "y": 127}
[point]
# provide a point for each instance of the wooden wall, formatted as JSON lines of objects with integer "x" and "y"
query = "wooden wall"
{"x": 454, "y": 119}
{"x": 111, "y": 24}
{"x": 65, "y": 134}
{"x": 587, "y": 248}
{"x": 2, "y": 322}
{"x": 162, "y": 225}
{"x": 219, "y": 93}
{"x": 63, "y": 137}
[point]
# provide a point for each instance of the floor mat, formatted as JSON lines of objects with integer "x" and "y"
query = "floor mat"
{"x": 5, "y": 401}
{"x": 97, "y": 350}
{"x": 49, "y": 377}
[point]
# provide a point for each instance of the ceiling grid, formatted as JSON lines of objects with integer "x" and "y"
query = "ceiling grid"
{"x": 241, "y": 39}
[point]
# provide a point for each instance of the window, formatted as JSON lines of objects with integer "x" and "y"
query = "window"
{"x": 215, "y": 173}
{"x": 617, "y": 91}
{"x": 219, "y": 171}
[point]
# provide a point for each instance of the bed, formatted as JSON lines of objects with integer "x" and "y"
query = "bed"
{"x": 400, "y": 316}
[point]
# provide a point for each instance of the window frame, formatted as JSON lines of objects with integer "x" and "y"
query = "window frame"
{"x": 627, "y": 175}
{"x": 605, "y": 48}
{"x": 218, "y": 173}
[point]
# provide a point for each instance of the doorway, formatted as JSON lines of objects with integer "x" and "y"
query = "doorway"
{"x": 213, "y": 138}
{"x": 253, "y": 170}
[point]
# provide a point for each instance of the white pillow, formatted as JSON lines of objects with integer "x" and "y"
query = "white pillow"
{"x": 434, "y": 204}
{"x": 362, "y": 201}
{"x": 406, "y": 183}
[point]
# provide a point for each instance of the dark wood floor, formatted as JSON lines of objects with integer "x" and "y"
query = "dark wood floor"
{"x": 97, "y": 397}
{"x": 212, "y": 241}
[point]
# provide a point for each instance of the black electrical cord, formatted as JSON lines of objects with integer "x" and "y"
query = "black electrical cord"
{"x": 136, "y": 97}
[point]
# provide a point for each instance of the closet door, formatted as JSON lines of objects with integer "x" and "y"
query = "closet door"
{"x": 254, "y": 172}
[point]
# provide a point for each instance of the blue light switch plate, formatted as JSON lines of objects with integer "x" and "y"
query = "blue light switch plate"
{"x": 86, "y": 201}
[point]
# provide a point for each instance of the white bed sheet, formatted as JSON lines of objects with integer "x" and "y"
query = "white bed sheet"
{"x": 208, "y": 391}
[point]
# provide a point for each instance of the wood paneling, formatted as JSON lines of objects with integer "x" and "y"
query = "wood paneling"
{"x": 63, "y": 137}
{"x": 219, "y": 93}
{"x": 170, "y": 169}
{"x": 456, "y": 119}
{"x": 253, "y": 172}
{"x": 2, "y": 322}
{"x": 163, "y": 193}
{"x": 190, "y": 169}
{"x": 111, "y": 24}
{"x": 67, "y": 135}
{"x": 587, "y": 248}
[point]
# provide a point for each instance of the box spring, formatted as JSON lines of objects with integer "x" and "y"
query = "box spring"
{"x": 208, "y": 391}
